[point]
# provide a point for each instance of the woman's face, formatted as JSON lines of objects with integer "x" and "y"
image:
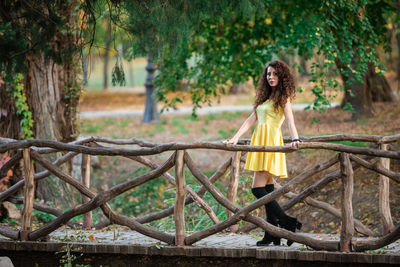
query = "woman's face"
{"x": 272, "y": 77}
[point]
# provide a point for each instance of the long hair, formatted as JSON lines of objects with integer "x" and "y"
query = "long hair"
{"x": 283, "y": 90}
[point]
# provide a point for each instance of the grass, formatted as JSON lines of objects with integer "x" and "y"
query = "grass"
{"x": 350, "y": 143}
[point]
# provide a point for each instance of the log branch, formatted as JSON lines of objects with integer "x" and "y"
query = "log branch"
{"x": 8, "y": 165}
{"x": 379, "y": 169}
{"x": 29, "y": 194}
{"x": 347, "y": 231}
{"x": 111, "y": 151}
{"x": 164, "y": 213}
{"x": 384, "y": 202}
{"x": 45, "y": 208}
{"x": 243, "y": 213}
{"x": 37, "y": 176}
{"x": 371, "y": 244}
{"x": 233, "y": 185}
{"x": 179, "y": 211}
{"x": 101, "y": 200}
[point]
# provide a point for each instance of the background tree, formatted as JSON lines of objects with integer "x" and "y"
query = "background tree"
{"x": 41, "y": 71}
{"x": 233, "y": 47}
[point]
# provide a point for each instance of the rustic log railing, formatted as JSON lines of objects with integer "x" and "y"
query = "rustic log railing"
{"x": 34, "y": 150}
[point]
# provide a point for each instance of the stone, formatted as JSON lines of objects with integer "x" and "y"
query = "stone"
{"x": 6, "y": 262}
{"x": 12, "y": 210}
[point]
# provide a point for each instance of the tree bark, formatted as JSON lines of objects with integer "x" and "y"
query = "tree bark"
{"x": 356, "y": 92}
{"x": 384, "y": 202}
{"x": 398, "y": 47}
{"x": 84, "y": 70}
{"x": 303, "y": 64}
{"x": 53, "y": 90}
{"x": 9, "y": 125}
{"x": 9, "y": 119}
{"x": 374, "y": 88}
{"x": 29, "y": 193}
{"x": 378, "y": 87}
{"x": 179, "y": 211}
{"x": 237, "y": 88}
{"x": 150, "y": 112}
{"x": 233, "y": 186}
{"x": 347, "y": 230}
{"x": 85, "y": 175}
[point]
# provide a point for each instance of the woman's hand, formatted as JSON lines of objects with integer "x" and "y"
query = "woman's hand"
{"x": 232, "y": 141}
{"x": 294, "y": 144}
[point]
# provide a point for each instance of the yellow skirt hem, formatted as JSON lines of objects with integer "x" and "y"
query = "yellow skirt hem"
{"x": 281, "y": 175}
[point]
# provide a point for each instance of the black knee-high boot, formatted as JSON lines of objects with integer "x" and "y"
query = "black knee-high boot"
{"x": 285, "y": 221}
{"x": 259, "y": 192}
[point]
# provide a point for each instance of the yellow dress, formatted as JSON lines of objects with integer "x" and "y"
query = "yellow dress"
{"x": 268, "y": 133}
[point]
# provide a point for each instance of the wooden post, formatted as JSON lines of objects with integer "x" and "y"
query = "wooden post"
{"x": 347, "y": 230}
{"x": 179, "y": 216}
{"x": 29, "y": 194}
{"x": 384, "y": 203}
{"x": 85, "y": 173}
{"x": 233, "y": 185}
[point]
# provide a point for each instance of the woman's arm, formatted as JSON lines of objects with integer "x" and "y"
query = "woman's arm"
{"x": 250, "y": 121}
{"x": 292, "y": 127}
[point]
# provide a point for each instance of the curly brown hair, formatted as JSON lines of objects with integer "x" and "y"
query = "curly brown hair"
{"x": 285, "y": 88}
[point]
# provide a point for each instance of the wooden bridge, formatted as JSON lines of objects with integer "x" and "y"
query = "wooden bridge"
{"x": 182, "y": 243}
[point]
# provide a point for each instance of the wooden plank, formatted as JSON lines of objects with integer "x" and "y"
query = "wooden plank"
{"x": 179, "y": 216}
{"x": 233, "y": 186}
{"x": 347, "y": 230}
{"x": 29, "y": 194}
{"x": 384, "y": 203}
{"x": 85, "y": 171}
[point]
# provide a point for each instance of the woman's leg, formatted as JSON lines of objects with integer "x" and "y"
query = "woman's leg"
{"x": 262, "y": 178}
{"x": 260, "y": 181}
{"x": 273, "y": 210}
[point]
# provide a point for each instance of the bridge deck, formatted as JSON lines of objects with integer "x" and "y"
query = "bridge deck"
{"x": 226, "y": 245}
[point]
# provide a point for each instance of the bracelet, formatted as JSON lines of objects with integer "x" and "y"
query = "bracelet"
{"x": 296, "y": 140}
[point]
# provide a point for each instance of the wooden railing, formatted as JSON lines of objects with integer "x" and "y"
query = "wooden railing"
{"x": 375, "y": 159}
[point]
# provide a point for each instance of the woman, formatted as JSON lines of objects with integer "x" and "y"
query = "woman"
{"x": 275, "y": 92}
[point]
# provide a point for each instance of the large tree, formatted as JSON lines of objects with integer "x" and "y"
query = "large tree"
{"x": 41, "y": 73}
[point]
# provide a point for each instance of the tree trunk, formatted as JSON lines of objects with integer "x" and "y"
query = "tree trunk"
{"x": 237, "y": 88}
{"x": 53, "y": 92}
{"x": 84, "y": 70}
{"x": 356, "y": 92}
{"x": 150, "y": 112}
{"x": 106, "y": 56}
{"x": 378, "y": 86}
{"x": 9, "y": 119}
{"x": 398, "y": 47}
{"x": 398, "y": 60}
{"x": 303, "y": 64}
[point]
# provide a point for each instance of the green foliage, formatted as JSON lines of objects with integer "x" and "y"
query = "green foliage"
{"x": 69, "y": 255}
{"x": 118, "y": 75}
{"x": 349, "y": 143}
{"x": 11, "y": 222}
{"x": 43, "y": 216}
{"x": 234, "y": 46}
{"x": 15, "y": 88}
{"x": 158, "y": 25}
{"x": 143, "y": 199}
{"x": 25, "y": 32}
